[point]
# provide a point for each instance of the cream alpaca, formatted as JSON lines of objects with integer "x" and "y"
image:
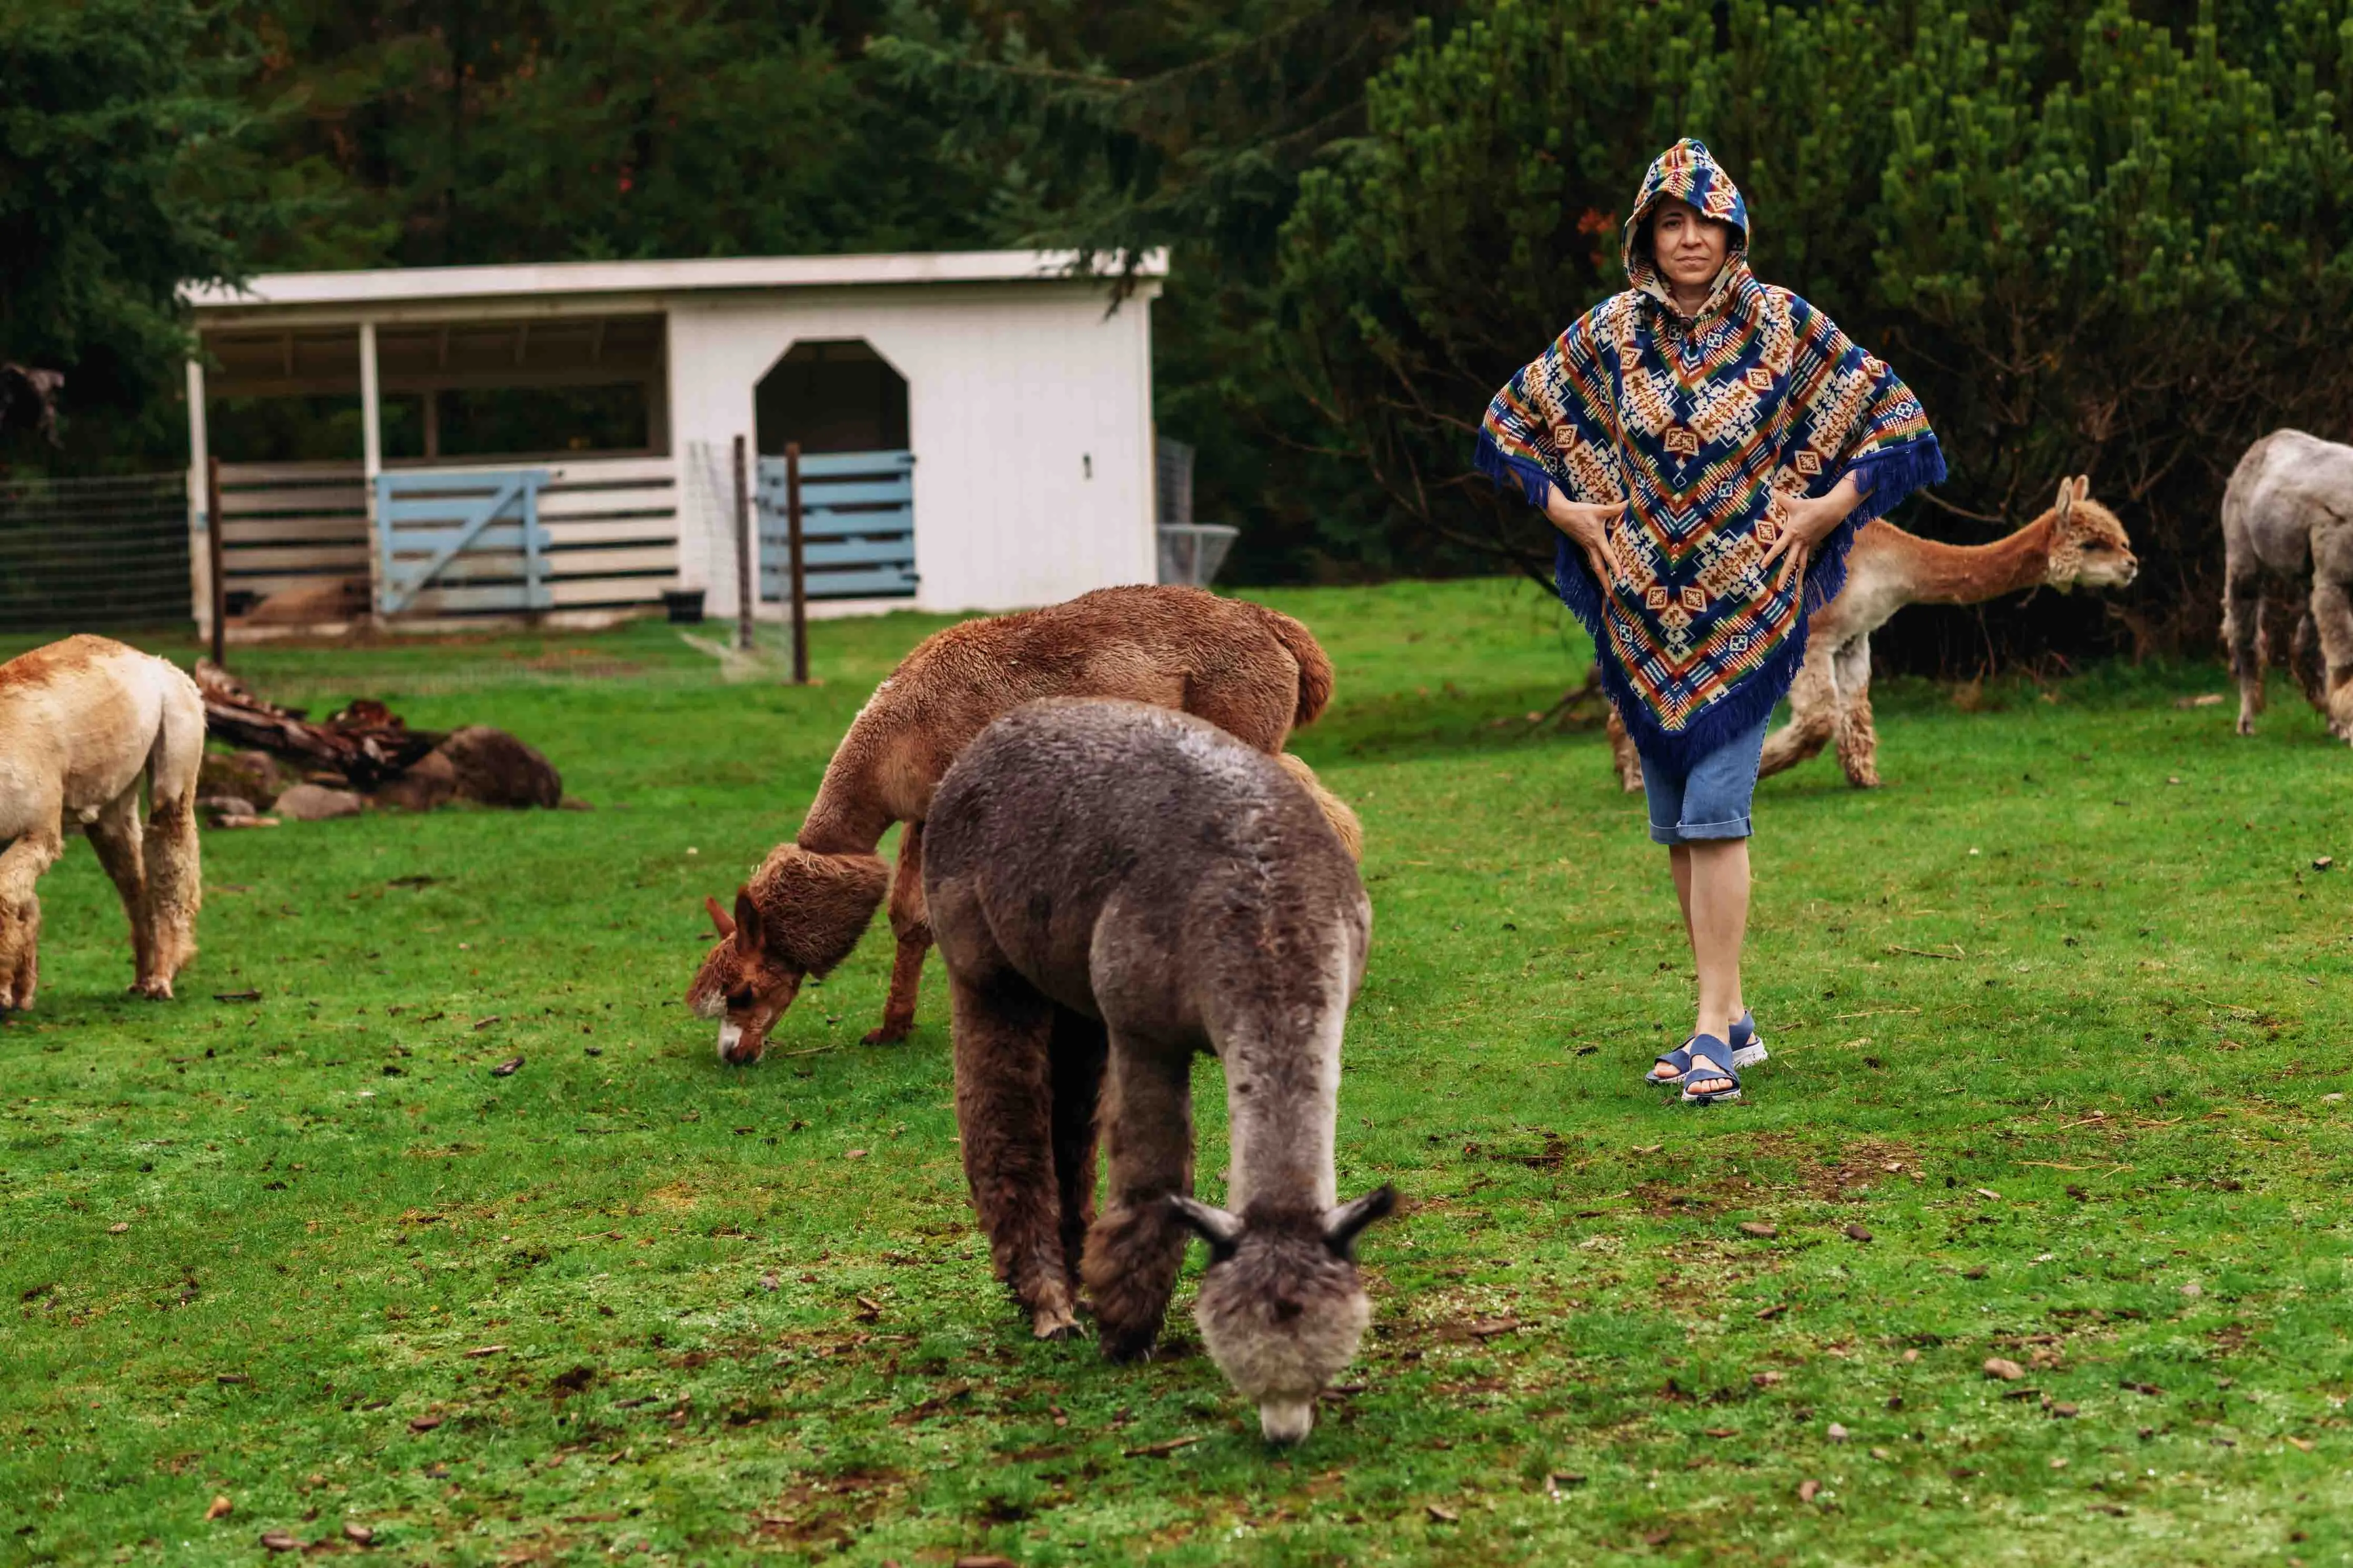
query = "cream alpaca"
{"x": 2077, "y": 543}
{"x": 84, "y": 720}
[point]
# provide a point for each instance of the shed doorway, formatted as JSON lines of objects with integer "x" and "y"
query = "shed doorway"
{"x": 847, "y": 408}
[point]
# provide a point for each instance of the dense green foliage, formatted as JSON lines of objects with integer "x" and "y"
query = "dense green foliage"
{"x": 2074, "y": 955}
{"x": 2094, "y": 242}
{"x": 107, "y": 110}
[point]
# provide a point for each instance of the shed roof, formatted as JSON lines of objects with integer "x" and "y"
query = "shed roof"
{"x": 538, "y": 281}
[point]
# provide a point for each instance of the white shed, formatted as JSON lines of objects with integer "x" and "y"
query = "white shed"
{"x": 558, "y": 441}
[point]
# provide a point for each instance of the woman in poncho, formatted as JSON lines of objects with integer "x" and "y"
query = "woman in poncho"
{"x": 1706, "y": 445}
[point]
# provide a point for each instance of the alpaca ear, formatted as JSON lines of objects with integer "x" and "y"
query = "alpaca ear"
{"x": 1222, "y": 1230}
{"x": 720, "y": 919}
{"x": 2066, "y": 498}
{"x": 1342, "y": 1224}
{"x": 747, "y": 924}
{"x": 2083, "y": 487}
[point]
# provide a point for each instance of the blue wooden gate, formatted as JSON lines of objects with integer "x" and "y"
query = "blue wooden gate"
{"x": 473, "y": 540}
{"x": 858, "y": 526}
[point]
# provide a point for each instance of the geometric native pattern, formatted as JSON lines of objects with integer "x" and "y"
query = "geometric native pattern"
{"x": 1704, "y": 424}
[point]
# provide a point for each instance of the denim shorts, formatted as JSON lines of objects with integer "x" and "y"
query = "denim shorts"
{"x": 1710, "y": 800}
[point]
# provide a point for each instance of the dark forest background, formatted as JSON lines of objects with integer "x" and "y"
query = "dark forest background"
{"x": 2105, "y": 238}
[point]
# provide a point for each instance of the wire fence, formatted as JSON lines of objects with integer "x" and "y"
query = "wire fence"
{"x": 86, "y": 554}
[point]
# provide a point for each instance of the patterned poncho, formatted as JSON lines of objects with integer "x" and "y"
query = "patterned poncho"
{"x": 1705, "y": 423}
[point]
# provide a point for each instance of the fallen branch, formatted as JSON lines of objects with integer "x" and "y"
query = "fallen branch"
{"x": 365, "y": 744}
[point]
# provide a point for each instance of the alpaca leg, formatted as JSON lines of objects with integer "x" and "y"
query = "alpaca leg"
{"x": 913, "y": 931}
{"x": 175, "y": 870}
{"x": 1003, "y": 1096}
{"x": 2332, "y": 615}
{"x": 20, "y": 912}
{"x": 1622, "y": 754}
{"x": 1136, "y": 1245}
{"x": 1858, "y": 742}
{"x": 1813, "y": 716}
{"x": 1337, "y": 812}
{"x": 2243, "y": 625}
{"x": 2304, "y": 663}
{"x": 1080, "y": 1048}
{"x": 114, "y": 836}
{"x": 175, "y": 892}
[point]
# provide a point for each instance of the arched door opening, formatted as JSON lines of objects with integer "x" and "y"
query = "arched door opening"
{"x": 846, "y": 409}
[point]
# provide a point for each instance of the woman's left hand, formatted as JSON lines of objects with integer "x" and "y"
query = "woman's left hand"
{"x": 1805, "y": 522}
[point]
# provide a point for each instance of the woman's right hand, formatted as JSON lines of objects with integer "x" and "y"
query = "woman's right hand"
{"x": 1586, "y": 524}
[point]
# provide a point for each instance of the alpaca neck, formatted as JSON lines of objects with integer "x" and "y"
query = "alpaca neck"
{"x": 1283, "y": 1105}
{"x": 1972, "y": 573}
{"x": 848, "y": 815}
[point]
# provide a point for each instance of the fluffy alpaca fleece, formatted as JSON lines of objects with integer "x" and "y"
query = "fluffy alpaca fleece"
{"x": 1250, "y": 671}
{"x": 2288, "y": 535}
{"x": 2077, "y": 543}
{"x": 1117, "y": 888}
{"x": 84, "y": 721}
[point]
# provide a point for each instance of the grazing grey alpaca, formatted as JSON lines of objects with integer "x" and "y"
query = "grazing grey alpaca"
{"x": 1115, "y": 888}
{"x": 2287, "y": 516}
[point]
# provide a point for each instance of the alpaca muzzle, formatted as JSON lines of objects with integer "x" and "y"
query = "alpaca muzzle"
{"x": 1283, "y": 1422}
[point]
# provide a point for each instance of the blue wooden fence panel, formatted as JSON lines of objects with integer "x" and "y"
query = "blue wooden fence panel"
{"x": 858, "y": 526}
{"x": 473, "y": 539}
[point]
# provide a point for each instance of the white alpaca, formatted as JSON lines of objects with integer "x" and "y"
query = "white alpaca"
{"x": 80, "y": 723}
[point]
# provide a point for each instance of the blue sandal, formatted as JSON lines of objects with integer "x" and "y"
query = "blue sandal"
{"x": 1679, "y": 1058}
{"x": 1708, "y": 1049}
{"x": 1747, "y": 1045}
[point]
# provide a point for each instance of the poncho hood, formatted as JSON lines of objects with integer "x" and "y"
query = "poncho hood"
{"x": 1686, "y": 172}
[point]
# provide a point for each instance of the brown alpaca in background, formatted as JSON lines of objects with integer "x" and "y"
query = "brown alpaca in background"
{"x": 81, "y": 722}
{"x": 1248, "y": 669}
{"x": 1116, "y": 890}
{"x": 2077, "y": 543}
{"x": 2287, "y": 521}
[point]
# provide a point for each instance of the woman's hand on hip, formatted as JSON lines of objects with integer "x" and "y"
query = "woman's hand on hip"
{"x": 1805, "y": 522}
{"x": 1586, "y": 524}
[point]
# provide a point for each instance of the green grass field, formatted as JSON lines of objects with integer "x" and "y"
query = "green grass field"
{"x": 2059, "y": 1031}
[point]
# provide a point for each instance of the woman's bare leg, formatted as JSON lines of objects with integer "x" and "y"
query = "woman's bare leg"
{"x": 1718, "y": 904}
{"x": 1679, "y": 862}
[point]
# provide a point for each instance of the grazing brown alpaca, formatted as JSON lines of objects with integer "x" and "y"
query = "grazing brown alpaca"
{"x": 81, "y": 722}
{"x": 1250, "y": 671}
{"x": 2287, "y": 523}
{"x": 1117, "y": 888}
{"x": 2077, "y": 543}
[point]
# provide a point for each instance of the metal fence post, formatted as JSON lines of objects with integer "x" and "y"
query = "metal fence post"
{"x": 744, "y": 543}
{"x": 800, "y": 578}
{"x": 220, "y": 589}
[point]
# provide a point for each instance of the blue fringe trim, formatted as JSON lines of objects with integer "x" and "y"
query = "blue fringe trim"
{"x": 1891, "y": 475}
{"x": 1493, "y": 461}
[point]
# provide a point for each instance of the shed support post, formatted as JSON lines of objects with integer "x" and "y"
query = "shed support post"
{"x": 746, "y": 552}
{"x": 800, "y": 571}
{"x": 372, "y": 464}
{"x": 202, "y": 524}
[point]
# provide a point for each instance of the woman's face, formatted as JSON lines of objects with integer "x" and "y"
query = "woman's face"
{"x": 1690, "y": 249}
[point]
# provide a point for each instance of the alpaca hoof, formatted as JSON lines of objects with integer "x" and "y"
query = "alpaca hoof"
{"x": 1053, "y": 1323}
{"x": 2246, "y": 726}
{"x": 889, "y": 1033}
{"x": 153, "y": 990}
{"x": 1122, "y": 1346}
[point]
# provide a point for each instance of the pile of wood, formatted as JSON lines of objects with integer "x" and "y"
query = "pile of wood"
{"x": 362, "y": 754}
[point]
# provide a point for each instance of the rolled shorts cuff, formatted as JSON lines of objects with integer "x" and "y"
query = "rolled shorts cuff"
{"x": 1702, "y": 832}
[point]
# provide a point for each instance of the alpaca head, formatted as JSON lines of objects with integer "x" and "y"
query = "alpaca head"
{"x": 2088, "y": 547}
{"x": 1281, "y": 1308}
{"x": 800, "y": 915}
